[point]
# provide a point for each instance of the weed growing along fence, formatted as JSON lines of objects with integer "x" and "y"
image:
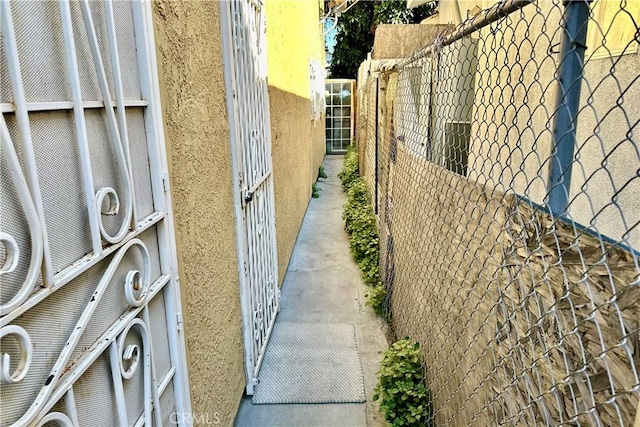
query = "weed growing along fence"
{"x": 404, "y": 397}
{"x": 504, "y": 168}
{"x": 360, "y": 223}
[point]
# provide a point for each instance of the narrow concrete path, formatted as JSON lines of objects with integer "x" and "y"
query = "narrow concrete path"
{"x": 323, "y": 284}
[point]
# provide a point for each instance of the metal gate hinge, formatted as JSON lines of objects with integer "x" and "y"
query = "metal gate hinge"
{"x": 165, "y": 181}
{"x": 179, "y": 321}
{"x": 251, "y": 385}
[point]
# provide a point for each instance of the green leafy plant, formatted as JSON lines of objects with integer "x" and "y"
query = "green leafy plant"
{"x": 349, "y": 172}
{"x": 360, "y": 223}
{"x": 315, "y": 191}
{"x": 375, "y": 299}
{"x": 404, "y": 397}
{"x": 321, "y": 172}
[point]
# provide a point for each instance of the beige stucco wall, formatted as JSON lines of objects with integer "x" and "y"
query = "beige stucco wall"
{"x": 399, "y": 41}
{"x": 318, "y": 149}
{"x": 521, "y": 90}
{"x": 292, "y": 167}
{"x": 192, "y": 86}
{"x": 293, "y": 38}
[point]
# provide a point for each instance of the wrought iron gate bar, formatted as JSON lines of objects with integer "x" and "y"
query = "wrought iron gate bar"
{"x": 107, "y": 194}
{"x": 67, "y": 105}
{"x": 73, "y": 271}
{"x": 31, "y": 216}
{"x": 22, "y": 116}
{"x": 250, "y": 134}
{"x": 118, "y": 315}
{"x": 81, "y": 126}
{"x": 120, "y": 102}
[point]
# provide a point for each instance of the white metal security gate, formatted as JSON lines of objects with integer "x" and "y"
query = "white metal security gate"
{"x": 90, "y": 312}
{"x": 243, "y": 28}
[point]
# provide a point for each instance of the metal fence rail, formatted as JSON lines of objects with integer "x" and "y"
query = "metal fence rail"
{"x": 503, "y": 161}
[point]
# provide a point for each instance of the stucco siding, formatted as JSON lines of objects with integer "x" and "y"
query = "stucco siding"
{"x": 291, "y": 148}
{"x": 317, "y": 145}
{"x": 293, "y": 39}
{"x": 192, "y": 86}
{"x": 401, "y": 40}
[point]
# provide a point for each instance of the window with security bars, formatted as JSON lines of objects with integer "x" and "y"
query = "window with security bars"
{"x": 339, "y": 96}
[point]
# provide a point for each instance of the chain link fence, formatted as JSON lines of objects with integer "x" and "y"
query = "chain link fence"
{"x": 504, "y": 166}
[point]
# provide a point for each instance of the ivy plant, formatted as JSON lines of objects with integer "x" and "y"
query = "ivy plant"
{"x": 404, "y": 397}
{"x": 375, "y": 299}
{"x": 349, "y": 172}
{"x": 360, "y": 222}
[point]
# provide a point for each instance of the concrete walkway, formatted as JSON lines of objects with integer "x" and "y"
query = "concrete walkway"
{"x": 323, "y": 284}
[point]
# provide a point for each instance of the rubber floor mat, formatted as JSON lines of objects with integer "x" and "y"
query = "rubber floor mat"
{"x": 311, "y": 363}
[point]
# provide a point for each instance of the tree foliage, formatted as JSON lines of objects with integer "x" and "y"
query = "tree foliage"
{"x": 357, "y": 26}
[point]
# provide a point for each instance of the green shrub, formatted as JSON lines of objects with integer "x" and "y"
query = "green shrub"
{"x": 404, "y": 398}
{"x": 360, "y": 223}
{"x": 357, "y": 207}
{"x": 321, "y": 172}
{"x": 315, "y": 191}
{"x": 375, "y": 299}
{"x": 349, "y": 171}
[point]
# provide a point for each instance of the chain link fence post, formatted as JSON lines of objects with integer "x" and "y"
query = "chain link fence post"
{"x": 570, "y": 73}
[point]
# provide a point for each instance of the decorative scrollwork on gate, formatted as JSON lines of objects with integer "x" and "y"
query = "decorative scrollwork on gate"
{"x": 107, "y": 195}
{"x": 72, "y": 294}
{"x": 26, "y": 354}
{"x": 121, "y": 352}
{"x": 12, "y": 253}
{"x": 135, "y": 297}
{"x": 31, "y": 215}
{"x": 56, "y": 417}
